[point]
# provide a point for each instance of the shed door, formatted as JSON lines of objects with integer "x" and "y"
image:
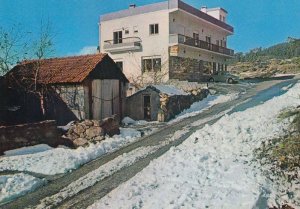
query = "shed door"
{"x": 106, "y": 101}
{"x": 147, "y": 107}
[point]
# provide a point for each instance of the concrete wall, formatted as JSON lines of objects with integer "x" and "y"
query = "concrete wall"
{"x": 186, "y": 24}
{"x": 152, "y": 45}
{"x": 13, "y": 137}
{"x": 135, "y": 105}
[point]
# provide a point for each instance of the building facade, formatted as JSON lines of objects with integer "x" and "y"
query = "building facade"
{"x": 66, "y": 89}
{"x": 166, "y": 40}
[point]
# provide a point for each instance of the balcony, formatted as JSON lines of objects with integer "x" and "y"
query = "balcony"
{"x": 189, "y": 41}
{"x": 123, "y": 45}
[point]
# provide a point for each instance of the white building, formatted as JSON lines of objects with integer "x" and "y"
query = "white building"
{"x": 166, "y": 40}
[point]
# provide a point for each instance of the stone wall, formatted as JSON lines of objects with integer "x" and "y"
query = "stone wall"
{"x": 179, "y": 103}
{"x": 187, "y": 69}
{"x": 17, "y": 136}
{"x": 73, "y": 96}
{"x": 83, "y": 132}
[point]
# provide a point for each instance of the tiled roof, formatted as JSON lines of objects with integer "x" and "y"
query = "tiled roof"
{"x": 60, "y": 70}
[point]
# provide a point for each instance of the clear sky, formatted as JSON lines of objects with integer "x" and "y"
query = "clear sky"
{"x": 75, "y": 22}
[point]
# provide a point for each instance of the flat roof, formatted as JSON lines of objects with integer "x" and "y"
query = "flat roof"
{"x": 217, "y": 8}
{"x": 167, "y": 5}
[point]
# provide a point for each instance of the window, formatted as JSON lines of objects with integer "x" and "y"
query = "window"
{"x": 135, "y": 29}
{"x": 196, "y": 38}
{"x": 225, "y": 44}
{"x": 118, "y": 38}
{"x": 126, "y": 31}
{"x": 217, "y": 42}
{"x": 208, "y": 39}
{"x": 221, "y": 42}
{"x": 151, "y": 64}
{"x": 153, "y": 29}
{"x": 120, "y": 65}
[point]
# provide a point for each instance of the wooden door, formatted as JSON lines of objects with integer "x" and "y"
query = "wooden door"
{"x": 97, "y": 99}
{"x": 106, "y": 98}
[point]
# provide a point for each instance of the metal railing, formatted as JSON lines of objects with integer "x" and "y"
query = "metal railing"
{"x": 135, "y": 40}
{"x": 186, "y": 40}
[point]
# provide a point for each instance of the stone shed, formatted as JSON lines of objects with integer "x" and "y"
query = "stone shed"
{"x": 160, "y": 102}
{"x": 66, "y": 89}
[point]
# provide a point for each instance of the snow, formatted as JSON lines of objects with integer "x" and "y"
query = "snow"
{"x": 104, "y": 171}
{"x": 283, "y": 75}
{"x": 61, "y": 160}
{"x": 28, "y": 150}
{"x": 13, "y": 186}
{"x": 214, "y": 167}
{"x": 204, "y": 104}
{"x": 130, "y": 121}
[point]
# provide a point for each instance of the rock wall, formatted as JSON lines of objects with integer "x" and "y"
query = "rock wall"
{"x": 83, "y": 132}
{"x": 17, "y": 136}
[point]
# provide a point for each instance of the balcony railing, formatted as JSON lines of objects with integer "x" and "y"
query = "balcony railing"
{"x": 186, "y": 40}
{"x": 123, "y": 44}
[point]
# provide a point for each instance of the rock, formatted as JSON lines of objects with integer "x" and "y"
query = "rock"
{"x": 99, "y": 138}
{"x": 94, "y": 132}
{"x": 88, "y": 123}
{"x": 97, "y": 123}
{"x": 72, "y": 136}
{"x": 79, "y": 129}
{"x": 80, "y": 142}
{"x": 111, "y": 126}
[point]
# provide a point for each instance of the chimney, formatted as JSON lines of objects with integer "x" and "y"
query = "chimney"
{"x": 132, "y": 6}
{"x": 204, "y": 9}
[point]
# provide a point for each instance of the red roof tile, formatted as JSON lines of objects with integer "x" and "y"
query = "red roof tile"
{"x": 61, "y": 70}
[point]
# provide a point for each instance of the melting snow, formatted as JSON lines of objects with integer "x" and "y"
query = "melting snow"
{"x": 212, "y": 168}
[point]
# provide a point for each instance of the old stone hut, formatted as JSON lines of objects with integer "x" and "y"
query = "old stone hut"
{"x": 160, "y": 102}
{"x": 66, "y": 89}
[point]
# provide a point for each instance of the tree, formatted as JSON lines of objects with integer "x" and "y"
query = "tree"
{"x": 13, "y": 48}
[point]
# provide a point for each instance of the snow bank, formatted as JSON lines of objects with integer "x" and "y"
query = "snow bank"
{"x": 28, "y": 150}
{"x": 61, "y": 160}
{"x": 204, "y": 104}
{"x": 213, "y": 168}
{"x": 13, "y": 186}
{"x": 104, "y": 171}
{"x": 130, "y": 121}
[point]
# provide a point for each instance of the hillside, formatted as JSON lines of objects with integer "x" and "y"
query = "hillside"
{"x": 283, "y": 58}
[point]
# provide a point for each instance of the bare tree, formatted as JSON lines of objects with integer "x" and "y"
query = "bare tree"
{"x": 13, "y": 47}
{"x": 12, "y": 52}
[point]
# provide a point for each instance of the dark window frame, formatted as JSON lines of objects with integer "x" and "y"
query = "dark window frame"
{"x": 151, "y": 64}
{"x": 154, "y": 29}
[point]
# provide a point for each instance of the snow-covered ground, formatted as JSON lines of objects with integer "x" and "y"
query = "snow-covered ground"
{"x": 214, "y": 167}
{"x": 204, "y": 104}
{"x": 107, "y": 169}
{"x": 43, "y": 159}
{"x": 12, "y": 186}
{"x": 62, "y": 160}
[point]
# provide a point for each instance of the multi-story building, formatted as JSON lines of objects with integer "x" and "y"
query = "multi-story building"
{"x": 167, "y": 40}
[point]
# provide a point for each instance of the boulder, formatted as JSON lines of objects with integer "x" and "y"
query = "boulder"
{"x": 79, "y": 129}
{"x": 80, "y": 142}
{"x": 88, "y": 123}
{"x": 94, "y": 132}
{"x": 111, "y": 126}
{"x": 98, "y": 138}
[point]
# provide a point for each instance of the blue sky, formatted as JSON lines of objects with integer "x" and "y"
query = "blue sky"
{"x": 75, "y": 22}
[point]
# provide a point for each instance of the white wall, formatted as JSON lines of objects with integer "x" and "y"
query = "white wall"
{"x": 151, "y": 44}
{"x": 190, "y": 24}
